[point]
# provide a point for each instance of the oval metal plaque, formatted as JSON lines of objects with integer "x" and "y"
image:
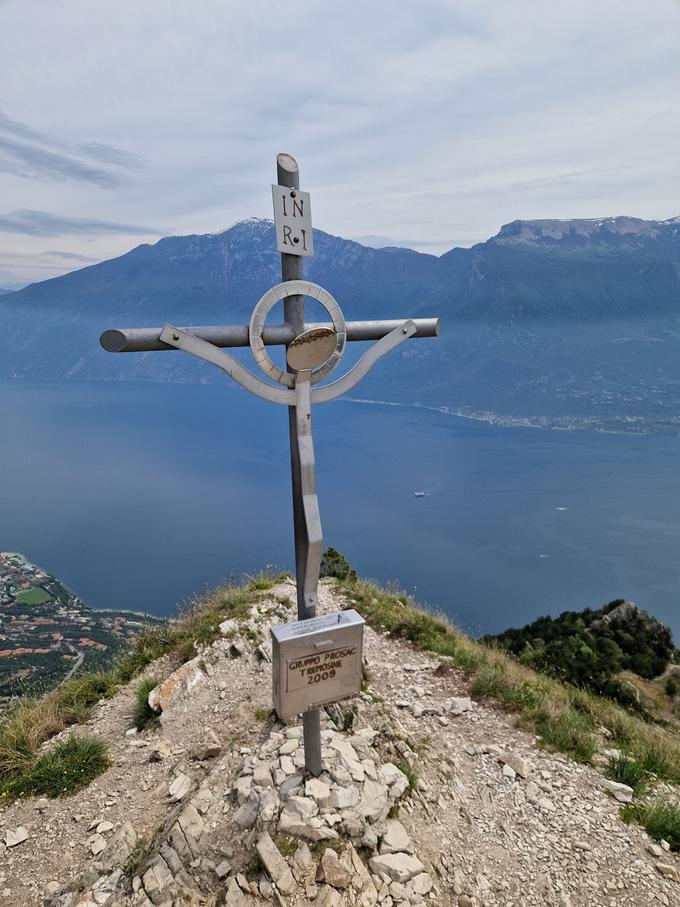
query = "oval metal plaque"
{"x": 311, "y": 348}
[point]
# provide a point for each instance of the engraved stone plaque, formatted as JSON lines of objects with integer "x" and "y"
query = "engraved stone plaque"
{"x": 293, "y": 221}
{"x": 316, "y": 662}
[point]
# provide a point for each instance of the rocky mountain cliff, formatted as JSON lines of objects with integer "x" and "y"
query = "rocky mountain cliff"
{"x": 564, "y": 323}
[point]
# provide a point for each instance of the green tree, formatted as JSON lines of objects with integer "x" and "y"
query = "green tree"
{"x": 336, "y": 565}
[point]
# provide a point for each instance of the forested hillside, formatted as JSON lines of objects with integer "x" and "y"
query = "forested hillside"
{"x": 590, "y": 647}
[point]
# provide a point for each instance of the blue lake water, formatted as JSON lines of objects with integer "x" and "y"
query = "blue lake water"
{"x": 140, "y": 495}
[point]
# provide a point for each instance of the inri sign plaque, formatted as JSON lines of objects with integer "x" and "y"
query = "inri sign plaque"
{"x": 293, "y": 221}
{"x": 316, "y": 662}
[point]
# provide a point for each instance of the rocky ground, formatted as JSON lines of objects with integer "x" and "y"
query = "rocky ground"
{"x": 427, "y": 798}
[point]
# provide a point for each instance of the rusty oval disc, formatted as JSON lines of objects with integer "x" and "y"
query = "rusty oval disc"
{"x": 311, "y": 348}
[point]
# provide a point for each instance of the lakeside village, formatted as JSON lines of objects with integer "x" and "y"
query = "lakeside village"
{"x": 47, "y": 633}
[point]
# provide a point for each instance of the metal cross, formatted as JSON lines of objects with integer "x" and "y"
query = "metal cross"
{"x": 312, "y": 352}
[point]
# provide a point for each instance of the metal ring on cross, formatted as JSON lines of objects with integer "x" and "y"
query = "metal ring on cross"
{"x": 259, "y": 316}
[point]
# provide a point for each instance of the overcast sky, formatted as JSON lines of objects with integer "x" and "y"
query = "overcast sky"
{"x": 429, "y": 122}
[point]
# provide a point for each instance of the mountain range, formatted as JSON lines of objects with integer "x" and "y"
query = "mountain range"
{"x": 567, "y": 324}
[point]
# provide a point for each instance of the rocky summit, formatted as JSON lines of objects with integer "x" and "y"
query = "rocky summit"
{"x": 427, "y": 796}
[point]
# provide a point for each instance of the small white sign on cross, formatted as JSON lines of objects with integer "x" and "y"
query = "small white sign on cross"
{"x": 293, "y": 221}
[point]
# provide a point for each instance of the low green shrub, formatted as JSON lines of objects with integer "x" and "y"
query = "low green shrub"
{"x": 66, "y": 768}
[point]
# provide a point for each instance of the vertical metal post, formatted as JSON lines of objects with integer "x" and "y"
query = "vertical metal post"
{"x": 288, "y": 174}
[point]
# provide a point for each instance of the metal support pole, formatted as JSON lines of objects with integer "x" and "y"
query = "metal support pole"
{"x": 288, "y": 174}
{"x": 310, "y": 503}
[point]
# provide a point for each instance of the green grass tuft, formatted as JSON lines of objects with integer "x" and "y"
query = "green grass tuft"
{"x": 660, "y": 820}
{"x": 659, "y": 758}
{"x": 265, "y": 580}
{"x": 138, "y": 856}
{"x": 405, "y": 766}
{"x": 570, "y": 733}
{"x": 261, "y": 584}
{"x": 144, "y": 715}
{"x": 627, "y": 771}
{"x": 286, "y": 845}
{"x": 88, "y": 689}
{"x": 66, "y": 768}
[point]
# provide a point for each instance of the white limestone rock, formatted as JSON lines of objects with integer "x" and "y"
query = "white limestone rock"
{"x": 362, "y": 883}
{"x": 670, "y": 872}
{"x": 395, "y": 839}
{"x": 313, "y": 829}
{"x": 621, "y": 792}
{"x": 269, "y": 805}
{"x": 160, "y": 751}
{"x": 515, "y": 762}
{"x": 319, "y": 791}
{"x": 16, "y": 836}
{"x": 246, "y": 815}
{"x": 277, "y": 868}
{"x": 302, "y": 808}
{"x": 223, "y": 869}
{"x": 262, "y": 776}
{"x": 303, "y": 864}
{"x": 375, "y": 802}
{"x": 287, "y": 765}
{"x": 120, "y": 846}
{"x": 96, "y": 844}
{"x": 420, "y": 884}
{"x": 180, "y": 682}
{"x": 394, "y": 778}
{"x": 210, "y": 748}
{"x": 399, "y": 867}
{"x": 191, "y": 822}
{"x": 243, "y": 788}
{"x": 344, "y": 797}
{"x": 179, "y": 787}
{"x": 156, "y": 880}
{"x": 456, "y": 705}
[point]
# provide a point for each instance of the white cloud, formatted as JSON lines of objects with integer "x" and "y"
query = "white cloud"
{"x": 424, "y": 121}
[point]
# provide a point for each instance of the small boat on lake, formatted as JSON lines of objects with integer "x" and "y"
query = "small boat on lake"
{"x": 418, "y": 494}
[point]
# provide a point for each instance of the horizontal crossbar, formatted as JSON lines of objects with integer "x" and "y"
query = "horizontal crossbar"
{"x": 144, "y": 340}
